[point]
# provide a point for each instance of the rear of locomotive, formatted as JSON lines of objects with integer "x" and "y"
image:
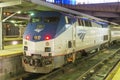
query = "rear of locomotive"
{"x": 38, "y": 42}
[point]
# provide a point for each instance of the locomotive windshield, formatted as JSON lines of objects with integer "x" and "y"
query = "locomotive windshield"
{"x": 35, "y": 19}
{"x": 51, "y": 19}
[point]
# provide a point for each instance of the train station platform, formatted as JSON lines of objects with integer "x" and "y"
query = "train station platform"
{"x": 12, "y": 40}
{"x": 115, "y": 73}
{"x": 11, "y": 50}
{"x": 11, "y": 61}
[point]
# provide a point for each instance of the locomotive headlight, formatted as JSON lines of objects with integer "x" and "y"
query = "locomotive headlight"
{"x": 37, "y": 37}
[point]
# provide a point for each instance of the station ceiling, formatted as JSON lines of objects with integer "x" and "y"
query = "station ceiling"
{"x": 110, "y": 12}
{"x": 24, "y": 5}
{"x": 13, "y": 6}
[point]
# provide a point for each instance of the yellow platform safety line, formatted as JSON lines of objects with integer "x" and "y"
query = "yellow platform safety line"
{"x": 11, "y": 50}
{"x": 115, "y": 73}
{"x": 12, "y": 39}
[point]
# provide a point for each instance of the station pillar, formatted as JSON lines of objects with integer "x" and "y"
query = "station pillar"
{"x": 1, "y": 31}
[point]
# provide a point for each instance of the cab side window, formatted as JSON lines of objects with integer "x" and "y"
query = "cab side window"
{"x": 68, "y": 19}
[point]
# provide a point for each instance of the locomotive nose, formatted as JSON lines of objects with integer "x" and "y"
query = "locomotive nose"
{"x": 33, "y": 62}
{"x": 36, "y": 62}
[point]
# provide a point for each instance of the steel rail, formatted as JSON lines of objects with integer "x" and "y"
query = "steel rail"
{"x": 92, "y": 70}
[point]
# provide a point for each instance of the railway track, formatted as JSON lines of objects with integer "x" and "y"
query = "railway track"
{"x": 93, "y": 67}
{"x": 102, "y": 68}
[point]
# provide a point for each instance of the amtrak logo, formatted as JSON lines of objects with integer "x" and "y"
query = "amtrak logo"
{"x": 39, "y": 28}
{"x": 81, "y": 34}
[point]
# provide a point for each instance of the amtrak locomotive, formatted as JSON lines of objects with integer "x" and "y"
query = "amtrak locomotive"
{"x": 52, "y": 39}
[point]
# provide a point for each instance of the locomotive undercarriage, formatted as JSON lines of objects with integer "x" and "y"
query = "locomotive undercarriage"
{"x": 37, "y": 63}
{"x": 37, "y": 60}
{"x": 71, "y": 57}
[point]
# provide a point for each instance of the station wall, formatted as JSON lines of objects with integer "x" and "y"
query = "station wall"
{"x": 10, "y": 66}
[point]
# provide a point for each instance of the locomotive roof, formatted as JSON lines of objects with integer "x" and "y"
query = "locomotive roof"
{"x": 54, "y": 13}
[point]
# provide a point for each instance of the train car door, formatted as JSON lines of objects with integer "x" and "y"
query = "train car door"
{"x": 71, "y": 43}
{"x": 74, "y": 42}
